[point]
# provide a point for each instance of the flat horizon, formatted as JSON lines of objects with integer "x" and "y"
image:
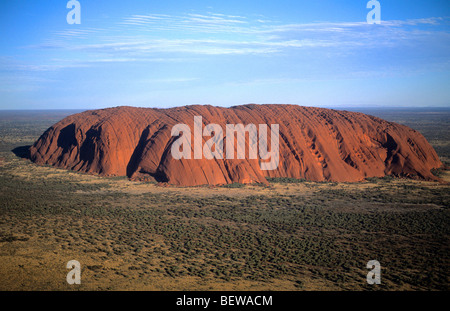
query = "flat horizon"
{"x": 325, "y": 107}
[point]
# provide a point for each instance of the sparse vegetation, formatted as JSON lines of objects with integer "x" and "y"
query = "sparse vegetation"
{"x": 285, "y": 180}
{"x": 233, "y": 185}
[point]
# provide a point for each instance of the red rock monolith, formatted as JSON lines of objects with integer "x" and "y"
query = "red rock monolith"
{"x": 316, "y": 144}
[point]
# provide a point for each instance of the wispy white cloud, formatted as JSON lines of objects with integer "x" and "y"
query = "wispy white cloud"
{"x": 161, "y": 37}
{"x": 53, "y": 66}
{"x": 191, "y": 20}
{"x": 249, "y": 36}
{"x": 192, "y": 46}
{"x": 77, "y": 33}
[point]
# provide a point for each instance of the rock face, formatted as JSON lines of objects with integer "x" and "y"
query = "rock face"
{"x": 314, "y": 143}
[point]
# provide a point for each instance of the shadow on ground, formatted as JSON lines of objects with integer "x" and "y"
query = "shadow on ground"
{"x": 22, "y": 152}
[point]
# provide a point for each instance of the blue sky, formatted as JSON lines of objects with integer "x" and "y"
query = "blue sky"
{"x": 171, "y": 53}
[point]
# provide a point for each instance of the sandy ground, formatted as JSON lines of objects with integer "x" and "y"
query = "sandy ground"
{"x": 38, "y": 264}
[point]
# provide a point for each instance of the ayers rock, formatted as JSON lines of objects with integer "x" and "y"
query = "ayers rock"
{"x": 316, "y": 144}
